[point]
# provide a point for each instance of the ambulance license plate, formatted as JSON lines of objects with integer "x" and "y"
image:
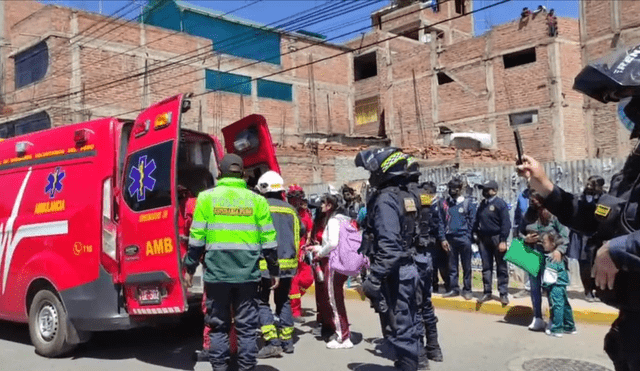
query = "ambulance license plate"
{"x": 149, "y": 296}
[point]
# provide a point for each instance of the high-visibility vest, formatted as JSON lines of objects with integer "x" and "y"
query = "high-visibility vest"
{"x": 234, "y": 225}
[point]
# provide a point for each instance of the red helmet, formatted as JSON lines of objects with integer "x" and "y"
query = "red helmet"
{"x": 295, "y": 191}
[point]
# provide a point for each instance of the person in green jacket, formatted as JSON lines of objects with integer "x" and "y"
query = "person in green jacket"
{"x": 555, "y": 281}
{"x": 538, "y": 221}
{"x": 234, "y": 226}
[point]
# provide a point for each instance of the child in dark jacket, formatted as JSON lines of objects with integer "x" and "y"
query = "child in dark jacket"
{"x": 555, "y": 281}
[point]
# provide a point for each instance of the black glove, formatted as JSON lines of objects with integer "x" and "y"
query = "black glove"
{"x": 372, "y": 289}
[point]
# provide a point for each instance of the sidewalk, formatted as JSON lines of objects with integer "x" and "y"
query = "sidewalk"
{"x": 583, "y": 311}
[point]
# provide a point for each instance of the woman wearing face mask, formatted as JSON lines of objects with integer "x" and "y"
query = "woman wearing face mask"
{"x": 540, "y": 221}
{"x": 333, "y": 313}
{"x": 580, "y": 247}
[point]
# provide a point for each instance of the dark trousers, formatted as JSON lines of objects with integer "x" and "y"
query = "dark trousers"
{"x": 399, "y": 291}
{"x": 274, "y": 332}
{"x": 324, "y": 317}
{"x": 622, "y": 343}
{"x": 440, "y": 262}
{"x": 426, "y": 315}
{"x": 488, "y": 246}
{"x": 335, "y": 286}
{"x": 588, "y": 282}
{"x": 460, "y": 250}
{"x": 221, "y": 299}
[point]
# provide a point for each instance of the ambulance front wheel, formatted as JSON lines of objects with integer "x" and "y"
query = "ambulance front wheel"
{"x": 48, "y": 325}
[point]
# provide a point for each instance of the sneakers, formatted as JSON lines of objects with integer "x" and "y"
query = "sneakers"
{"x": 269, "y": 351}
{"x": 334, "y": 344}
{"x": 537, "y": 324}
{"x": 554, "y": 334}
{"x": 467, "y": 295}
{"x": 589, "y": 297}
{"x": 484, "y": 298}
{"x": 571, "y": 332}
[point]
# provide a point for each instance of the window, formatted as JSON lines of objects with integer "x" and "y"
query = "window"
{"x": 523, "y": 118}
{"x": 152, "y": 188}
{"x": 460, "y": 7}
{"x": 519, "y": 58}
{"x": 275, "y": 90}
{"x": 443, "y": 78}
{"x": 367, "y": 111}
{"x": 365, "y": 66}
{"x": 36, "y": 122}
{"x": 412, "y": 32}
{"x": 31, "y": 65}
{"x": 229, "y": 82}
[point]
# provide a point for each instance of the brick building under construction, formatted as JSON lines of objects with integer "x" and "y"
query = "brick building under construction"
{"x": 418, "y": 79}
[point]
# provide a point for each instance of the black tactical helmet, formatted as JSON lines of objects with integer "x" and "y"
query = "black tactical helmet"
{"x": 413, "y": 168}
{"x": 384, "y": 164}
{"x": 613, "y": 78}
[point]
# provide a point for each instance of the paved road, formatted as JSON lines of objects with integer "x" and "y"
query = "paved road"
{"x": 470, "y": 342}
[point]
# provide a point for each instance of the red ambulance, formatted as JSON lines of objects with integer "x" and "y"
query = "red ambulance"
{"x": 92, "y": 219}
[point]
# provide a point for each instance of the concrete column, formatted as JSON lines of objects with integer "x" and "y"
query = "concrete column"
{"x": 75, "y": 83}
{"x": 389, "y": 115}
{"x": 255, "y": 104}
{"x": 615, "y": 16}
{"x": 3, "y": 42}
{"x": 434, "y": 81}
{"x": 557, "y": 119}
{"x": 491, "y": 91}
{"x": 351, "y": 101}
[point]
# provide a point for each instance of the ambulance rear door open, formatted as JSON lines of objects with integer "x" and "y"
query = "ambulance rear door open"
{"x": 148, "y": 238}
{"x": 250, "y": 139}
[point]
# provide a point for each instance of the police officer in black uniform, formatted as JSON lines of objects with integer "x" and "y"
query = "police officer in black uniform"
{"x": 492, "y": 226}
{"x": 615, "y": 217}
{"x": 390, "y": 228}
{"x": 425, "y": 246}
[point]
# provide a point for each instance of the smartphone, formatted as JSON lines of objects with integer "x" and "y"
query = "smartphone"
{"x": 516, "y": 135}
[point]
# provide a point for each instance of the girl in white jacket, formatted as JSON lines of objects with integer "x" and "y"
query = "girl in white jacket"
{"x": 332, "y": 294}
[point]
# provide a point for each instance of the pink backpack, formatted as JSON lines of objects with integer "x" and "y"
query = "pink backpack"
{"x": 345, "y": 258}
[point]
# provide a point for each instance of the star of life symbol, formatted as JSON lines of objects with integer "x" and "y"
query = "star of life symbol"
{"x": 141, "y": 178}
{"x": 54, "y": 182}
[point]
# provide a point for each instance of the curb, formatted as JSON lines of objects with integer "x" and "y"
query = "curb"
{"x": 582, "y": 315}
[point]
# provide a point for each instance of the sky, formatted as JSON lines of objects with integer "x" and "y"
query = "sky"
{"x": 348, "y": 22}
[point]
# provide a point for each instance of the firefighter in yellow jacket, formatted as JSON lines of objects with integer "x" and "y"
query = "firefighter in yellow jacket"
{"x": 278, "y": 334}
{"x": 234, "y": 226}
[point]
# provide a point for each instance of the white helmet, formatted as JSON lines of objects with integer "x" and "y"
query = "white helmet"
{"x": 270, "y": 182}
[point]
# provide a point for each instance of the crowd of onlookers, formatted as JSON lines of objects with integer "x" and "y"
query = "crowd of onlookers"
{"x": 464, "y": 228}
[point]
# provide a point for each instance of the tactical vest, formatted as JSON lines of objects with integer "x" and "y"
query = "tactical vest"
{"x": 409, "y": 219}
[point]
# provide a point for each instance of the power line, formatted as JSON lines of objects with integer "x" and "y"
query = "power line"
{"x": 60, "y": 69}
{"x": 143, "y": 71}
{"x": 321, "y": 59}
{"x": 230, "y": 40}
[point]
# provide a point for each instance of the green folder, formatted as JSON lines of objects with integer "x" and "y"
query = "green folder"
{"x": 525, "y": 257}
